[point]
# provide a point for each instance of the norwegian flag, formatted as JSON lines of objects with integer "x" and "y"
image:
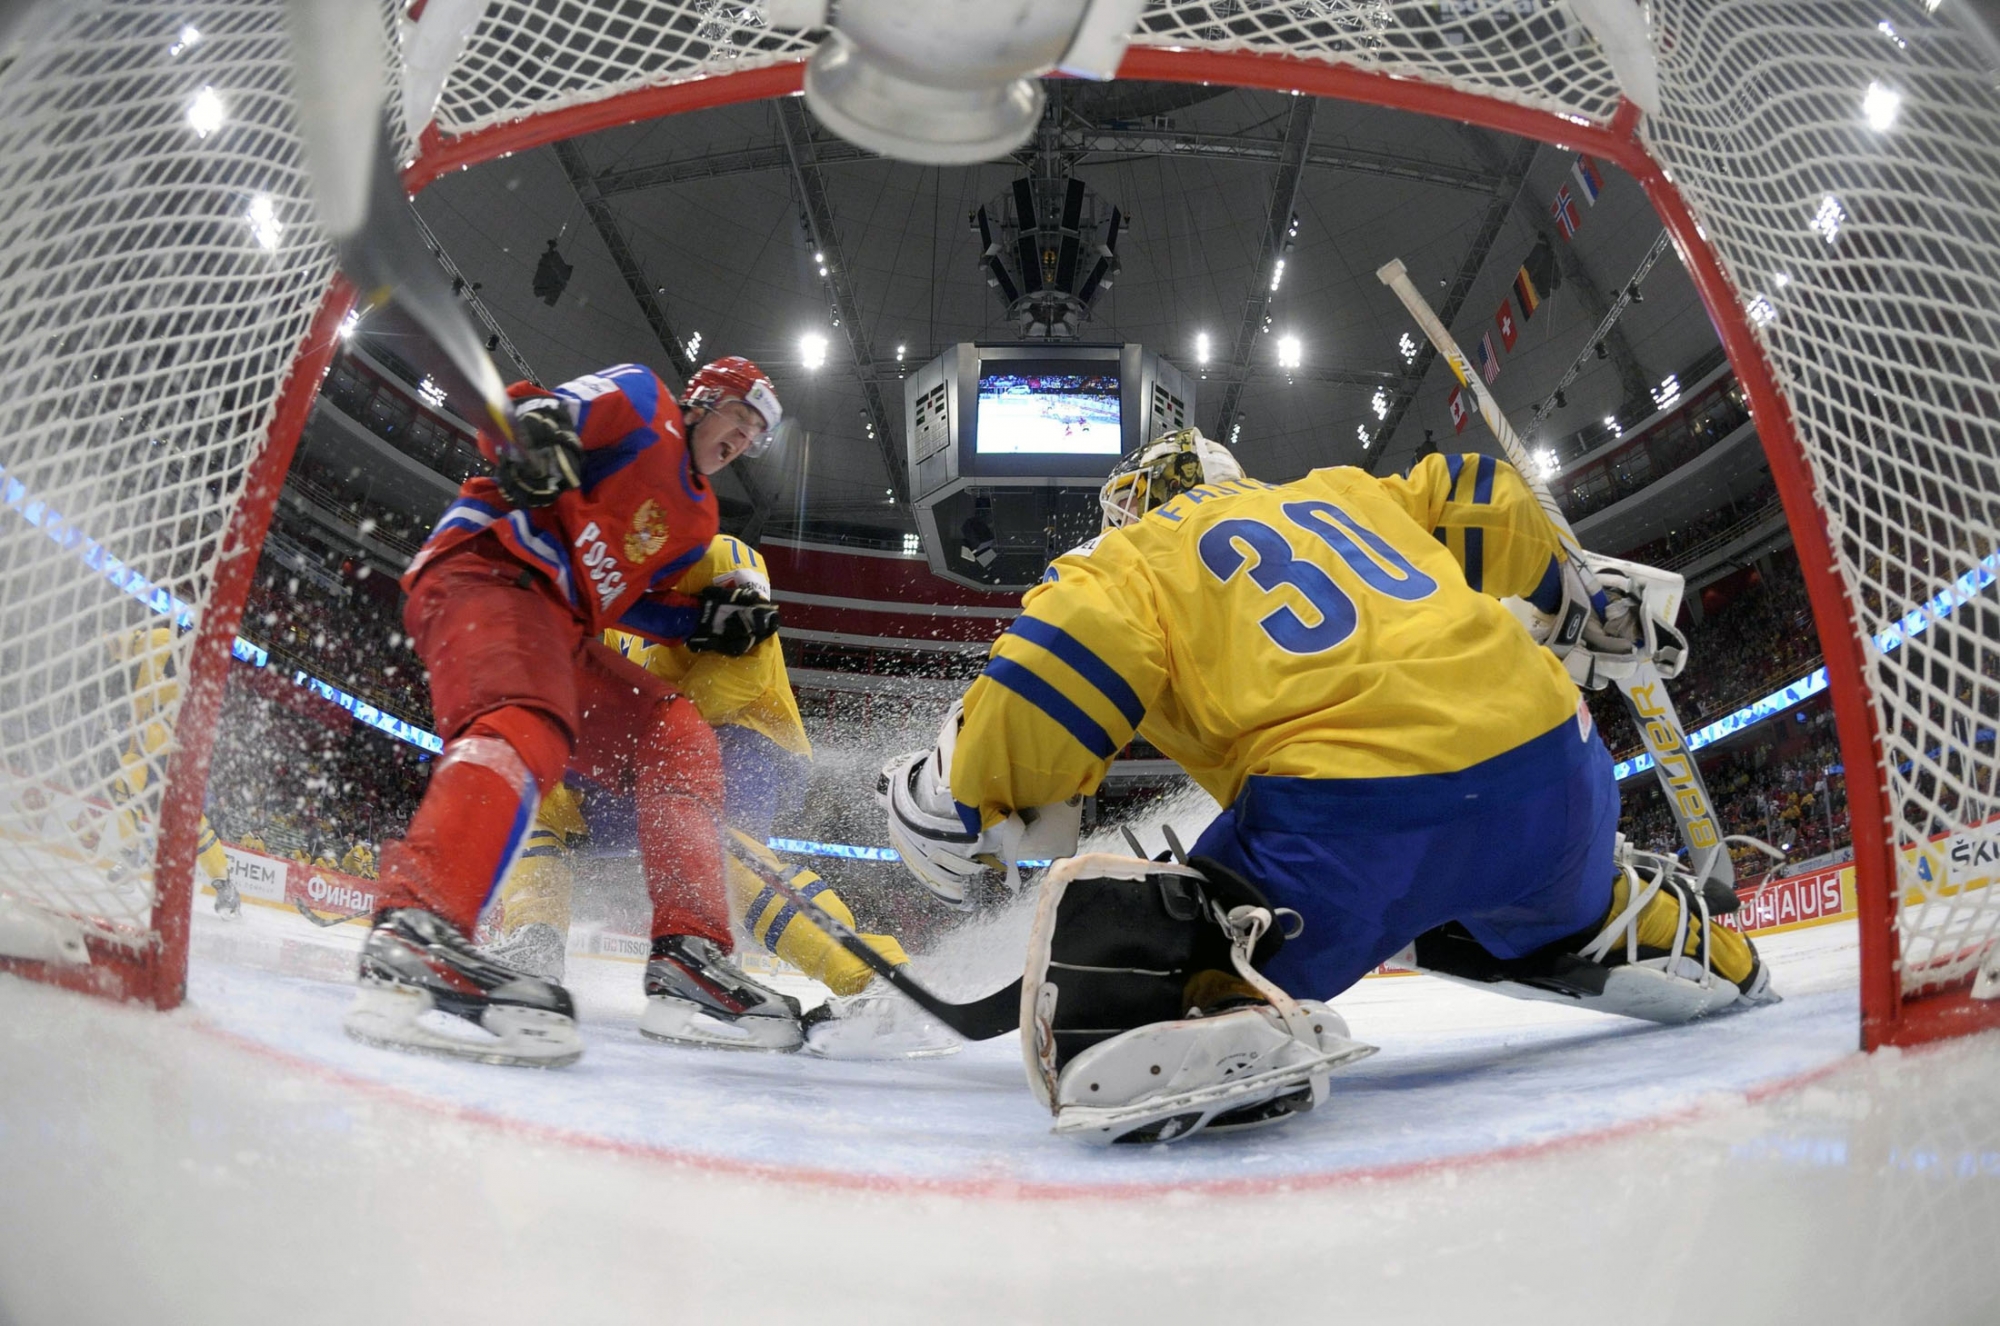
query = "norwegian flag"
{"x": 1488, "y": 357}
{"x": 1563, "y": 209}
{"x": 1504, "y": 320}
{"x": 1588, "y": 182}
{"x": 1458, "y": 410}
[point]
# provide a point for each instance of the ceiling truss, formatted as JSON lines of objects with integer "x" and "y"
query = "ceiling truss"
{"x": 804, "y": 162}
{"x": 647, "y": 296}
{"x": 1264, "y": 276}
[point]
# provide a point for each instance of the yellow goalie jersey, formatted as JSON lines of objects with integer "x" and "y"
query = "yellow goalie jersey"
{"x": 1341, "y": 626}
{"x": 753, "y": 691}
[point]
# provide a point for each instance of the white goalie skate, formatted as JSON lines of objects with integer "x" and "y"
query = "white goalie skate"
{"x": 877, "y": 1023}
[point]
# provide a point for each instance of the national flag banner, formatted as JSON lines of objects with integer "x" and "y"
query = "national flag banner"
{"x": 1564, "y": 210}
{"x": 1488, "y": 357}
{"x": 1458, "y": 409}
{"x": 1589, "y": 182}
{"x": 1504, "y": 320}
{"x": 1537, "y": 279}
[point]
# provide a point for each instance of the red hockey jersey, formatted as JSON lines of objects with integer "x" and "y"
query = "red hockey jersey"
{"x": 613, "y": 548}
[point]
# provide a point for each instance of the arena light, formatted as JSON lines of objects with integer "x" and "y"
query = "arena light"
{"x": 1546, "y": 466}
{"x": 189, "y": 35}
{"x": 812, "y": 350}
{"x": 1201, "y": 347}
{"x": 206, "y": 113}
{"x": 1827, "y": 220}
{"x": 432, "y": 393}
{"x": 693, "y": 346}
{"x": 1406, "y": 345}
{"x": 1379, "y": 403}
{"x": 1289, "y": 352}
{"x": 349, "y": 323}
{"x": 265, "y": 227}
{"x": 1879, "y": 107}
{"x": 1277, "y": 273}
{"x": 1668, "y": 391}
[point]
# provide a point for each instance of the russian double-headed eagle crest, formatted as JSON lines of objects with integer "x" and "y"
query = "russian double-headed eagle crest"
{"x": 648, "y": 533}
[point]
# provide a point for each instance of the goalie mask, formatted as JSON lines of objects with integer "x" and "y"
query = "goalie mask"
{"x": 1161, "y": 470}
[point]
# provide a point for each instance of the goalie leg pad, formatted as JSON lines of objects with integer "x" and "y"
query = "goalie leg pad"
{"x": 1119, "y": 1046}
{"x": 1658, "y": 955}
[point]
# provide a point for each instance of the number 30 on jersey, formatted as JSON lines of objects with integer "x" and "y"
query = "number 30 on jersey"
{"x": 1365, "y": 553}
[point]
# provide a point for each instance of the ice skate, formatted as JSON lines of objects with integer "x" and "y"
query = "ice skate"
{"x": 535, "y": 949}
{"x": 696, "y": 996}
{"x": 228, "y": 901}
{"x": 424, "y": 988}
{"x": 877, "y": 1023}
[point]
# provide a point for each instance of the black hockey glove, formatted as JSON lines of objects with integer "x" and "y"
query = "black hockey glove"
{"x": 733, "y": 621}
{"x": 550, "y": 455}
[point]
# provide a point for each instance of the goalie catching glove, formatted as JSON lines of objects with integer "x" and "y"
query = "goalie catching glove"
{"x": 941, "y": 842}
{"x": 547, "y": 460}
{"x": 1603, "y": 638}
{"x": 1144, "y": 1017}
{"x": 734, "y": 621}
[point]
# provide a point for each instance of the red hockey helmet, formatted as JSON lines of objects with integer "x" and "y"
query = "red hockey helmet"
{"x": 736, "y": 379}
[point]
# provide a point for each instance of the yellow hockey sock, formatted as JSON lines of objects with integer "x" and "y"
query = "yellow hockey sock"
{"x": 774, "y": 921}
{"x": 538, "y": 888}
{"x": 1730, "y": 955}
{"x": 214, "y": 862}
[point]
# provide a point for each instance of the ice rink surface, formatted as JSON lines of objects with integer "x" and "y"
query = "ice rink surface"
{"x": 241, "y": 1160}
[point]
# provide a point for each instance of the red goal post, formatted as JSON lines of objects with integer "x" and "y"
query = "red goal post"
{"x": 1850, "y": 271}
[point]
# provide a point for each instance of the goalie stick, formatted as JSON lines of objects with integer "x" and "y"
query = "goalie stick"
{"x": 1645, "y": 691}
{"x": 982, "y": 1019}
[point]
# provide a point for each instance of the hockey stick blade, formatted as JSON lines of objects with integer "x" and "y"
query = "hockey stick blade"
{"x": 982, "y": 1019}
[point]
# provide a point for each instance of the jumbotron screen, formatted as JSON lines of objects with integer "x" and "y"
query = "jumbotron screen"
{"x": 1066, "y": 413}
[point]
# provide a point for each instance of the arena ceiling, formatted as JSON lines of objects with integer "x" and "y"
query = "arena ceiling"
{"x": 705, "y": 223}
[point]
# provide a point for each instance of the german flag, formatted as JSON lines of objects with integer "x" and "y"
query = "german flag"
{"x": 1537, "y": 279}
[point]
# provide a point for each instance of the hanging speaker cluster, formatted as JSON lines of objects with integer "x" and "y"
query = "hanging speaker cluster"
{"x": 1048, "y": 248}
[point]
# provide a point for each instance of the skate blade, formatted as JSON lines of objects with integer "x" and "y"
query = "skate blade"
{"x": 1104, "y": 1125}
{"x": 861, "y": 1041}
{"x": 676, "y": 1022}
{"x": 398, "y": 1018}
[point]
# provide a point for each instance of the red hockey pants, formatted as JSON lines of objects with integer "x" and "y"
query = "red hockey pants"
{"x": 520, "y": 693}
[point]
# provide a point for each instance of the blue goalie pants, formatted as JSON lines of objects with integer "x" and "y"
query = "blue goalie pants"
{"x": 1517, "y": 849}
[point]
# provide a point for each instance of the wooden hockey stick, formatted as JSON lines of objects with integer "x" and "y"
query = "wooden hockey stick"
{"x": 1645, "y": 691}
{"x": 982, "y": 1019}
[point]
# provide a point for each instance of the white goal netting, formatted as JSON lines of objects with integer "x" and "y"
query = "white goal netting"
{"x": 157, "y": 273}
{"x": 1842, "y": 161}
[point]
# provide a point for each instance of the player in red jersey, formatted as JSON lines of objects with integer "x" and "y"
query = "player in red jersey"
{"x": 586, "y": 524}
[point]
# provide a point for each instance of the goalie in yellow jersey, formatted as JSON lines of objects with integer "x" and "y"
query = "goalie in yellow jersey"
{"x": 1404, "y": 773}
{"x": 748, "y": 700}
{"x": 153, "y": 685}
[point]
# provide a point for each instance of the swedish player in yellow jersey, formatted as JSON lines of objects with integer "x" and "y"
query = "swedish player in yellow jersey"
{"x": 153, "y": 685}
{"x": 748, "y": 700}
{"x": 1398, "y": 760}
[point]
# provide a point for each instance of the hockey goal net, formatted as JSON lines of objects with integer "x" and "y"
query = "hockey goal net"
{"x": 1830, "y": 173}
